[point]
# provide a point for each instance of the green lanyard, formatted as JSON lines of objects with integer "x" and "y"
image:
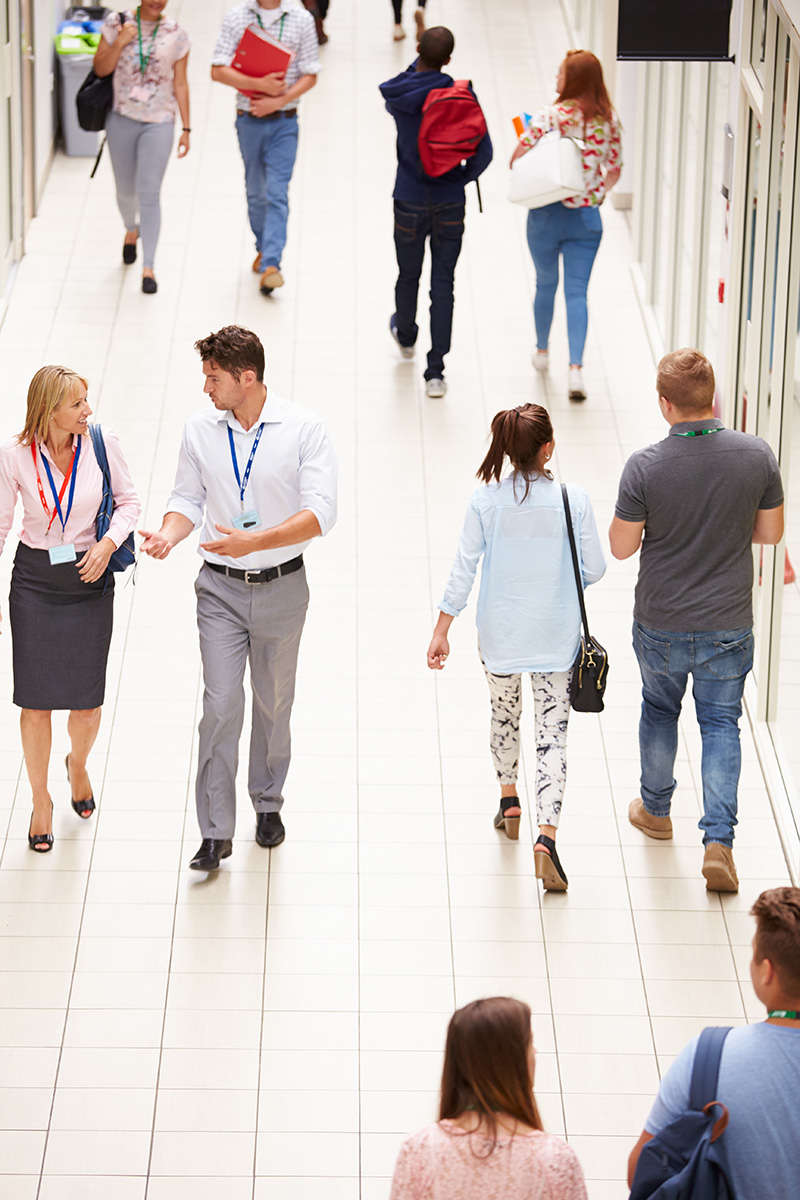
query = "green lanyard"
{"x": 145, "y": 62}
{"x": 280, "y": 31}
{"x": 697, "y": 432}
{"x": 785, "y": 1014}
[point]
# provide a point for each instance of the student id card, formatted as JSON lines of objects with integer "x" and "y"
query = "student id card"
{"x": 62, "y": 554}
{"x": 247, "y": 520}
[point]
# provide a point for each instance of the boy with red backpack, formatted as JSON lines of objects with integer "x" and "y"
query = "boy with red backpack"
{"x": 442, "y": 145}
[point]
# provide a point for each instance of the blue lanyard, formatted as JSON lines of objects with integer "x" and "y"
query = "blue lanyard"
{"x": 242, "y": 482}
{"x": 64, "y": 519}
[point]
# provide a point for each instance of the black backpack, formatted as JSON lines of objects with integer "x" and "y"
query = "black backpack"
{"x": 687, "y": 1160}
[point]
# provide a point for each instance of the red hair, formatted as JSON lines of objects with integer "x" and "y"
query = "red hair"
{"x": 583, "y": 83}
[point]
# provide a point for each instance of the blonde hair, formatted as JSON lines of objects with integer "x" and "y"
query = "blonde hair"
{"x": 49, "y": 389}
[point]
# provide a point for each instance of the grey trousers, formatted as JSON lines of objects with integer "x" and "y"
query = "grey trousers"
{"x": 261, "y": 624}
{"x": 140, "y": 152}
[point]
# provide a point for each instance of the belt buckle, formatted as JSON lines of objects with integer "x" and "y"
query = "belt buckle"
{"x": 255, "y": 575}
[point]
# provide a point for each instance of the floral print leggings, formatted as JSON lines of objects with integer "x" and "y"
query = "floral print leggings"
{"x": 551, "y": 714}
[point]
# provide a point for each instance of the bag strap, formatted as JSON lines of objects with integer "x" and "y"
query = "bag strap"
{"x": 575, "y": 564}
{"x": 99, "y": 447}
{"x": 705, "y": 1071}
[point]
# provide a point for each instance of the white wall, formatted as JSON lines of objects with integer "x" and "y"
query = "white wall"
{"x": 46, "y": 16}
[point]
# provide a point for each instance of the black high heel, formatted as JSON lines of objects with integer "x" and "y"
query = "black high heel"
{"x": 84, "y": 808}
{"x": 510, "y": 825}
{"x": 548, "y": 865}
{"x": 41, "y": 842}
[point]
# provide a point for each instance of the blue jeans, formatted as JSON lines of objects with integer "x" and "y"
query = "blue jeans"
{"x": 718, "y": 662}
{"x": 413, "y": 225}
{"x": 574, "y": 234}
{"x": 269, "y": 149}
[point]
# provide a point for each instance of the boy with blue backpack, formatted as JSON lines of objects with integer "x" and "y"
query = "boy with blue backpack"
{"x": 755, "y": 1151}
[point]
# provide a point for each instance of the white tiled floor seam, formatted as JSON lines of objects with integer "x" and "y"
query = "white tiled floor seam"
{"x": 282, "y": 1027}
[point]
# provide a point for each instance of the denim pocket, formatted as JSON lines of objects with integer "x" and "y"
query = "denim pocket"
{"x": 590, "y": 219}
{"x": 405, "y": 226}
{"x": 651, "y": 653}
{"x": 732, "y": 659}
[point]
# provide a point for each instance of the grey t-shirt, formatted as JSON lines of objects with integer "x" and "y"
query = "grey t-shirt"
{"x": 758, "y": 1077}
{"x": 698, "y": 497}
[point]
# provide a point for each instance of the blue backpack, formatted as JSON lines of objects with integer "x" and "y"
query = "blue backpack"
{"x": 125, "y": 554}
{"x": 687, "y": 1159}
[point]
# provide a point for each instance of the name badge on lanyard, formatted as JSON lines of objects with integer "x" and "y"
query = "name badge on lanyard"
{"x": 65, "y": 552}
{"x": 247, "y": 518}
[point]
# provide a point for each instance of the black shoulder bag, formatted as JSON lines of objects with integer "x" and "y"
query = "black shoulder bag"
{"x": 590, "y": 669}
{"x": 94, "y": 101}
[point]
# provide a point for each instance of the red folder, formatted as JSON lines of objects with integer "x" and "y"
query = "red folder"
{"x": 260, "y": 54}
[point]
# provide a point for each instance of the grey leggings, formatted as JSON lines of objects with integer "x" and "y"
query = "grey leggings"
{"x": 140, "y": 152}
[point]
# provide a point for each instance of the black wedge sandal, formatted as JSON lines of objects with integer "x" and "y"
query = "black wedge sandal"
{"x": 510, "y": 825}
{"x": 84, "y": 808}
{"x": 548, "y": 865}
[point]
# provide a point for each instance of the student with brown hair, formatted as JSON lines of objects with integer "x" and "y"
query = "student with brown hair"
{"x": 489, "y": 1138}
{"x": 528, "y": 616}
{"x": 695, "y": 502}
{"x": 760, "y": 1066}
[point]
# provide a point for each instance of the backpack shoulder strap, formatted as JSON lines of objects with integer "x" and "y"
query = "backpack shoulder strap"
{"x": 100, "y": 452}
{"x": 705, "y": 1071}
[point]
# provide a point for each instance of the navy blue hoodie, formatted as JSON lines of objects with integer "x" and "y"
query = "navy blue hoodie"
{"x": 404, "y": 96}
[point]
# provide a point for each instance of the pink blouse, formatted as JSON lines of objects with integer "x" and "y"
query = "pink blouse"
{"x": 18, "y": 478}
{"x": 441, "y": 1162}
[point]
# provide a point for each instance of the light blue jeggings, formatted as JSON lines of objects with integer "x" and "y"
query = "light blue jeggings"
{"x": 140, "y": 152}
{"x": 528, "y": 615}
{"x": 573, "y": 233}
{"x": 269, "y": 148}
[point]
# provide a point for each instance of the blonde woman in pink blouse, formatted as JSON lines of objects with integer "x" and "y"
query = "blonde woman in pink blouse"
{"x": 61, "y": 602}
{"x": 489, "y": 1139}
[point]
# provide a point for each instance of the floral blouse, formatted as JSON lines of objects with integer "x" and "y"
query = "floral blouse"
{"x": 149, "y": 97}
{"x": 441, "y": 1162}
{"x": 602, "y": 151}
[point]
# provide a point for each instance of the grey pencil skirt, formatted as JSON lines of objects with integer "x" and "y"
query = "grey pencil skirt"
{"x": 60, "y": 633}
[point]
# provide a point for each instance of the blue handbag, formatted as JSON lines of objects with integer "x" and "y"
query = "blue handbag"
{"x": 125, "y": 555}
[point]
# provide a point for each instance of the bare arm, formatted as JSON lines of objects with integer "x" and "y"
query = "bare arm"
{"x": 440, "y": 647}
{"x": 107, "y": 54}
{"x": 644, "y": 1138}
{"x": 174, "y": 528}
{"x": 612, "y": 178}
{"x": 625, "y": 537}
{"x": 768, "y": 527}
{"x": 181, "y": 86}
{"x": 235, "y": 543}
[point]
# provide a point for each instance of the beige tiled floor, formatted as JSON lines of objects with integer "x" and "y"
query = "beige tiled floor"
{"x": 274, "y": 1031}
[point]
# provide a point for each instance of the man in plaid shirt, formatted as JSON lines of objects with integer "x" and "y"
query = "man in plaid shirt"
{"x": 267, "y": 125}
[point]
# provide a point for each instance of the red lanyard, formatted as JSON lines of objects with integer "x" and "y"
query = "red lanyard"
{"x": 41, "y": 489}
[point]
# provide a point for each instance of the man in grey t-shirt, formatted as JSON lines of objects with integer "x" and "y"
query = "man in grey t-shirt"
{"x": 694, "y": 503}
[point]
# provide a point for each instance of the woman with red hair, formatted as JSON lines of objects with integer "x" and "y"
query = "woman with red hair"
{"x": 571, "y": 229}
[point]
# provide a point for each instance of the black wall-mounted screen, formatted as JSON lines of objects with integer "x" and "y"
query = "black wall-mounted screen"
{"x": 683, "y": 30}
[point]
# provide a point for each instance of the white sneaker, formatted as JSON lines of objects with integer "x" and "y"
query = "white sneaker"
{"x": 399, "y": 33}
{"x": 406, "y": 351}
{"x": 541, "y": 360}
{"x": 576, "y": 389}
{"x": 435, "y": 388}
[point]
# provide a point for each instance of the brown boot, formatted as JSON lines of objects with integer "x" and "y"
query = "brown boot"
{"x": 719, "y": 869}
{"x": 654, "y": 827}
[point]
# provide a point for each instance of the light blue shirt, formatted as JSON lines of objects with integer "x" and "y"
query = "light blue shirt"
{"x": 528, "y": 614}
{"x": 758, "y": 1084}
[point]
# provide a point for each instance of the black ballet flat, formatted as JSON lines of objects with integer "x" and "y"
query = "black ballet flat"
{"x": 40, "y": 842}
{"x": 149, "y": 285}
{"x": 548, "y": 865}
{"x": 84, "y": 808}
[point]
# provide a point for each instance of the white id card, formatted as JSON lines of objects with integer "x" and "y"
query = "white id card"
{"x": 247, "y": 520}
{"x": 61, "y": 554}
{"x": 141, "y": 94}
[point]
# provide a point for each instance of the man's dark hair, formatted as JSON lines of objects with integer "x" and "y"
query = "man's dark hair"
{"x": 435, "y": 47}
{"x": 234, "y": 350}
{"x": 777, "y": 914}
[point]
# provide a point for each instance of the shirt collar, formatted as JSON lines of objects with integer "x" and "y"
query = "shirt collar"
{"x": 692, "y": 426}
{"x": 271, "y": 414}
{"x": 268, "y": 15}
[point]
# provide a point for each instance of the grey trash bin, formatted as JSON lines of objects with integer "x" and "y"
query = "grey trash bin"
{"x": 72, "y": 70}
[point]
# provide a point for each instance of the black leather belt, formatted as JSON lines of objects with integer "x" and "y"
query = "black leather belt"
{"x": 266, "y": 576}
{"x": 282, "y": 112}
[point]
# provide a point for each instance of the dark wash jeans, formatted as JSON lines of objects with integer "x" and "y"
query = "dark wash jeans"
{"x": 719, "y": 662}
{"x": 413, "y": 225}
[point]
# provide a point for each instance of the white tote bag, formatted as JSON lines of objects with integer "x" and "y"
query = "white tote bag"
{"x": 552, "y": 170}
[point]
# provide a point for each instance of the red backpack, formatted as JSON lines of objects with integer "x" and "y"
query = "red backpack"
{"x": 452, "y": 126}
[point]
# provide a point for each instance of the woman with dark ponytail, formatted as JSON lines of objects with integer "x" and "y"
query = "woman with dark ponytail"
{"x": 528, "y": 616}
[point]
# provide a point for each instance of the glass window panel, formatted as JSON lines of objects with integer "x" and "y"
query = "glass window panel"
{"x": 759, "y": 38}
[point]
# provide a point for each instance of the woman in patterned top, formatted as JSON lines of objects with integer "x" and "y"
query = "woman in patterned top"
{"x": 572, "y": 228}
{"x": 147, "y": 54}
{"x": 489, "y": 1139}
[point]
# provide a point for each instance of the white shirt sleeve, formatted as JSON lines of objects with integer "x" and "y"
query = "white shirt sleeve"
{"x": 189, "y": 493}
{"x": 317, "y": 476}
{"x": 590, "y": 549}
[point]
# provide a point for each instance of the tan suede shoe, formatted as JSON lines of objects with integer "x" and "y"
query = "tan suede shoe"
{"x": 270, "y": 280}
{"x": 719, "y": 869}
{"x": 654, "y": 827}
{"x": 257, "y": 264}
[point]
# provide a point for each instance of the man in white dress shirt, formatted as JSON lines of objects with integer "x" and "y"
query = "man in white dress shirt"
{"x": 266, "y": 124}
{"x": 258, "y": 473}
